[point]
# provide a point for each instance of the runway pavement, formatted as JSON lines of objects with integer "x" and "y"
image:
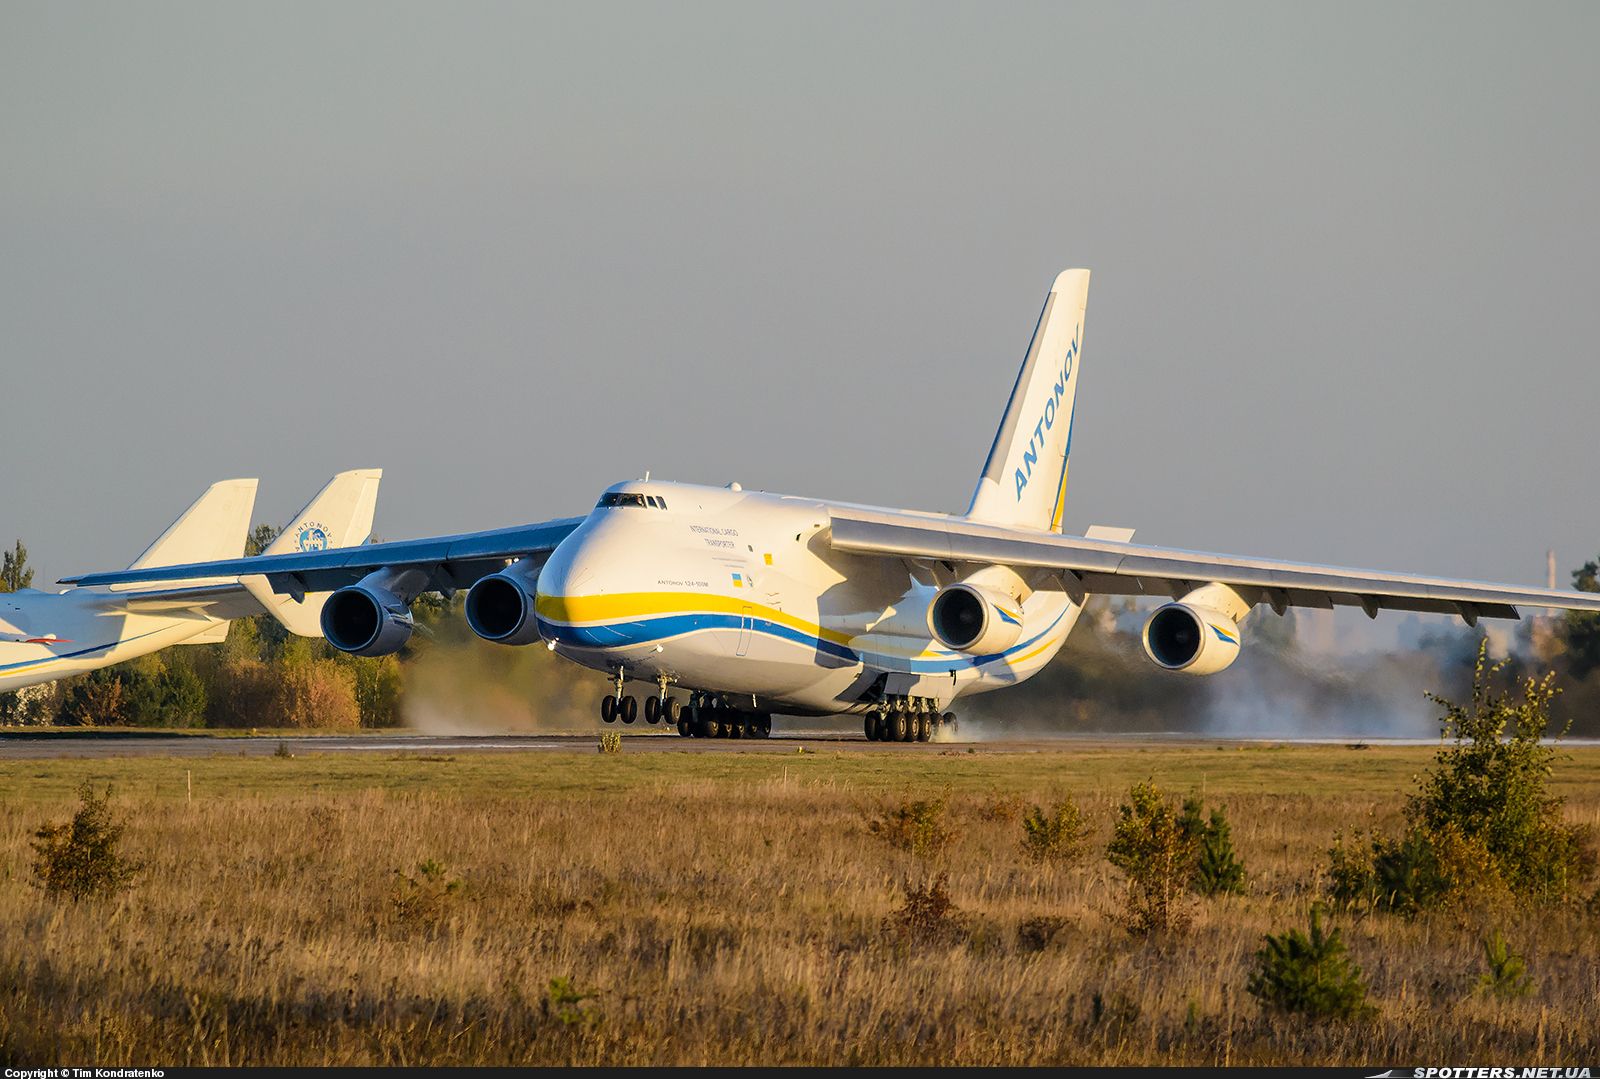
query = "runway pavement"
{"x": 99, "y": 744}
{"x": 29, "y": 745}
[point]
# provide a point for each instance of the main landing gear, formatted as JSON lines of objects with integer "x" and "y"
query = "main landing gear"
{"x": 708, "y": 715}
{"x": 902, "y": 719}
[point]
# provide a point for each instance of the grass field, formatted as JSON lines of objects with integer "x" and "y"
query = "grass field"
{"x": 724, "y": 908}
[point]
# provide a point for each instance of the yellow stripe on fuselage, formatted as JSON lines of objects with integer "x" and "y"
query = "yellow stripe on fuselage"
{"x": 633, "y": 606}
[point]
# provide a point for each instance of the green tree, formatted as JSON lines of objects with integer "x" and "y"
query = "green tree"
{"x": 1157, "y": 852}
{"x": 14, "y": 572}
{"x": 1308, "y": 975}
{"x": 260, "y": 539}
{"x": 1582, "y": 628}
{"x": 1218, "y": 870}
{"x": 79, "y": 859}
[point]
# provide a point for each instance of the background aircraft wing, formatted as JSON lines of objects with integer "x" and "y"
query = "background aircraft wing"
{"x": 451, "y": 561}
{"x": 1113, "y": 568}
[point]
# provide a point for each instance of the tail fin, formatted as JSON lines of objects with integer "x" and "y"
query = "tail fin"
{"x": 1024, "y": 482}
{"x": 211, "y": 529}
{"x": 339, "y": 516}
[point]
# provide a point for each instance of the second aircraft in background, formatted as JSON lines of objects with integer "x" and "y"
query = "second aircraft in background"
{"x": 50, "y": 635}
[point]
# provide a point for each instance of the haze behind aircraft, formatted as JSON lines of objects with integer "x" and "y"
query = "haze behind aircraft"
{"x": 759, "y": 603}
{"x": 50, "y": 635}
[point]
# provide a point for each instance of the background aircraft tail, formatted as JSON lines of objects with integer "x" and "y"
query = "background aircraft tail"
{"x": 1024, "y": 482}
{"x": 339, "y": 516}
{"x": 213, "y": 528}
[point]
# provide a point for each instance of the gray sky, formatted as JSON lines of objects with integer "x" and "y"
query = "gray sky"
{"x": 1344, "y": 305}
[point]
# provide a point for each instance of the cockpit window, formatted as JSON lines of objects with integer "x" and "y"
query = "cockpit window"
{"x": 620, "y": 498}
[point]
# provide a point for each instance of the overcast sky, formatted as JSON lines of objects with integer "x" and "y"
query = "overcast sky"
{"x": 1345, "y": 260}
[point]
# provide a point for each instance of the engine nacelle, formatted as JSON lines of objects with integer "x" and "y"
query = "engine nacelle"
{"x": 1192, "y": 639}
{"x": 974, "y": 619}
{"x": 500, "y": 607}
{"x": 366, "y": 620}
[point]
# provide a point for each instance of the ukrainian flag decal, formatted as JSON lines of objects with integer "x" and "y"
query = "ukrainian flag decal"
{"x": 1224, "y": 635}
{"x": 738, "y": 580}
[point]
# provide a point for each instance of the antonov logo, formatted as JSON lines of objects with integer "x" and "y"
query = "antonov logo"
{"x": 312, "y": 537}
{"x": 1052, "y": 405}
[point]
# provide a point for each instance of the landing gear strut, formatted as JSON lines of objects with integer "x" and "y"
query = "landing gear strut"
{"x": 617, "y": 704}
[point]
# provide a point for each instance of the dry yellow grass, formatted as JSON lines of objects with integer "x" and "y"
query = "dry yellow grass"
{"x": 725, "y": 909}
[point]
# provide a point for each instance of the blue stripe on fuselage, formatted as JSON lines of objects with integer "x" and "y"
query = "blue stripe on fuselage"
{"x": 653, "y": 630}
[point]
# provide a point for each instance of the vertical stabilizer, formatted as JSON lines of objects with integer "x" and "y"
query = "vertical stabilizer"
{"x": 210, "y": 530}
{"x": 339, "y": 516}
{"x": 1024, "y": 482}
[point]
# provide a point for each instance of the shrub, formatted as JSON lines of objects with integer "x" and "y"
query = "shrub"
{"x": 1058, "y": 836}
{"x": 1038, "y": 933}
{"x": 1490, "y": 786}
{"x": 1309, "y": 975}
{"x": 427, "y": 898}
{"x": 611, "y": 741}
{"x": 916, "y": 826}
{"x": 1152, "y": 847}
{"x": 928, "y": 916}
{"x": 1507, "y": 975}
{"x": 572, "y": 1007}
{"x": 1217, "y": 869}
{"x": 1482, "y": 824}
{"x": 79, "y": 859}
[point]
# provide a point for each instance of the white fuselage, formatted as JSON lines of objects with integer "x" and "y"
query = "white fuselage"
{"x": 739, "y": 592}
{"x": 50, "y": 635}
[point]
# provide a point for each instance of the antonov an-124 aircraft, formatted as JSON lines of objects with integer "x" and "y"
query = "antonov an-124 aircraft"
{"x": 50, "y": 635}
{"x": 757, "y": 603}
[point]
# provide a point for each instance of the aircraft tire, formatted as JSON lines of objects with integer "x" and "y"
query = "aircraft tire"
{"x": 709, "y": 727}
{"x": 869, "y": 726}
{"x": 608, "y": 708}
{"x": 764, "y": 725}
{"x": 628, "y": 709}
{"x": 668, "y": 711}
{"x": 685, "y": 727}
{"x": 650, "y": 713}
{"x": 924, "y": 727}
{"x": 899, "y": 728}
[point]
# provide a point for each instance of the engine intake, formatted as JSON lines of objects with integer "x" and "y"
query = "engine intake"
{"x": 969, "y": 618}
{"x": 366, "y": 621}
{"x": 1191, "y": 639}
{"x": 500, "y": 608}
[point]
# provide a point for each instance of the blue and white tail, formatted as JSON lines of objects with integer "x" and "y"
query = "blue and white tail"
{"x": 1024, "y": 482}
{"x": 339, "y": 516}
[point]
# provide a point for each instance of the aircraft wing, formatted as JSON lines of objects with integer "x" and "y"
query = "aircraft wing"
{"x": 451, "y": 561}
{"x": 1107, "y": 567}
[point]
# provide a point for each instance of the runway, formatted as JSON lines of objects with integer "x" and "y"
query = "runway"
{"x": 98, "y": 744}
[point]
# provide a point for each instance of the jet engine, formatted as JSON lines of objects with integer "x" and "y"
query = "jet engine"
{"x": 971, "y": 617}
{"x": 1199, "y": 634}
{"x": 500, "y": 607}
{"x": 366, "y": 620}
